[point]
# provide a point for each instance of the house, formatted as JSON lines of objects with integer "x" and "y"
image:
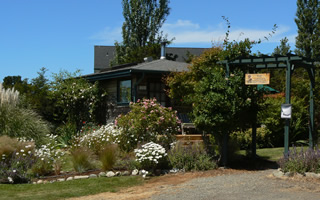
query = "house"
{"x": 133, "y": 81}
{"x": 104, "y": 54}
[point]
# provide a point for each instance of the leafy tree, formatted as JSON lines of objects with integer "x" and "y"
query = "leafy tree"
{"x": 278, "y": 80}
{"x": 35, "y": 94}
{"x": 221, "y": 102}
{"x": 16, "y": 82}
{"x": 141, "y": 30}
{"x": 270, "y": 117}
{"x": 220, "y": 105}
{"x": 283, "y": 49}
{"x": 307, "y": 20}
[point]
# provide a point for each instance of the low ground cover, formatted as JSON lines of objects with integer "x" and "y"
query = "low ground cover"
{"x": 75, "y": 188}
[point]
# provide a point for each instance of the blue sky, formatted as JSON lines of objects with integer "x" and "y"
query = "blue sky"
{"x": 61, "y": 34}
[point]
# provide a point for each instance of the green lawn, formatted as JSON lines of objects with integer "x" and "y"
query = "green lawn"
{"x": 62, "y": 190}
{"x": 272, "y": 154}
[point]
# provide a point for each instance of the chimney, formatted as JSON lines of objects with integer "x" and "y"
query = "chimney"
{"x": 163, "y": 50}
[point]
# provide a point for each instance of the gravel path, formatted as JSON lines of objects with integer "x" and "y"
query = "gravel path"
{"x": 257, "y": 185}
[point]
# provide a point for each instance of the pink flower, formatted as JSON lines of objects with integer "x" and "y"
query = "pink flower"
{"x": 116, "y": 122}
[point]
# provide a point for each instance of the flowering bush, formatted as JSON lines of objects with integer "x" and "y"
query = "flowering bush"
{"x": 17, "y": 157}
{"x": 97, "y": 139}
{"x": 77, "y": 99}
{"x": 294, "y": 161}
{"x": 150, "y": 155}
{"x": 15, "y": 168}
{"x": 147, "y": 121}
{"x": 50, "y": 157}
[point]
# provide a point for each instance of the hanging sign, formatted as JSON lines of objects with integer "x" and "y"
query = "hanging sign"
{"x": 286, "y": 110}
{"x": 257, "y": 79}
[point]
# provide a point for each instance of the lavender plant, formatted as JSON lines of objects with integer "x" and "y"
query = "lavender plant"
{"x": 301, "y": 161}
{"x": 191, "y": 157}
{"x": 14, "y": 169}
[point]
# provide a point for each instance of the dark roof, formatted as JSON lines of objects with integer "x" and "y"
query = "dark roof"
{"x": 104, "y": 54}
{"x": 156, "y": 66}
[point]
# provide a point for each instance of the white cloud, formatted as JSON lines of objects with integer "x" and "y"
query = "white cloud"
{"x": 108, "y": 36}
{"x": 187, "y": 32}
{"x": 185, "y": 24}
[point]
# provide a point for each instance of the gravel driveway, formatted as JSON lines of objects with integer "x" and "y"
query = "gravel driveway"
{"x": 250, "y": 185}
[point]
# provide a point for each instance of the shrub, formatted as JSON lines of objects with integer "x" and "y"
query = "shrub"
{"x": 108, "y": 157}
{"x": 270, "y": 117}
{"x": 50, "y": 157}
{"x": 65, "y": 134}
{"x": 16, "y": 121}
{"x": 244, "y": 138}
{"x": 77, "y": 99}
{"x": 97, "y": 138}
{"x": 191, "y": 157}
{"x": 147, "y": 121}
{"x": 294, "y": 161}
{"x": 81, "y": 159}
{"x": 150, "y": 155}
{"x": 14, "y": 169}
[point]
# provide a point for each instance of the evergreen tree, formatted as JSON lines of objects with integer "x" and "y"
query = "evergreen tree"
{"x": 307, "y": 20}
{"x": 141, "y": 30}
{"x": 283, "y": 49}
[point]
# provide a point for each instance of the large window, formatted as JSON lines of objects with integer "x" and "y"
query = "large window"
{"x": 157, "y": 90}
{"x": 124, "y": 91}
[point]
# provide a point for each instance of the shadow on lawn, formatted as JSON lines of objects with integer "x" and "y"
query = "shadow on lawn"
{"x": 248, "y": 163}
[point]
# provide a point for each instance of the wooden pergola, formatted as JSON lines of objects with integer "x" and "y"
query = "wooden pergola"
{"x": 288, "y": 62}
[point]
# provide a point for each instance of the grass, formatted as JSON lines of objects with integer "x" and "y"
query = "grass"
{"x": 271, "y": 154}
{"x": 62, "y": 190}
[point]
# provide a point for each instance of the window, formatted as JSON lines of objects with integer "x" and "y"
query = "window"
{"x": 124, "y": 91}
{"x": 157, "y": 90}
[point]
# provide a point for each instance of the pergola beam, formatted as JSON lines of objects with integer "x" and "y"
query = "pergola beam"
{"x": 286, "y": 62}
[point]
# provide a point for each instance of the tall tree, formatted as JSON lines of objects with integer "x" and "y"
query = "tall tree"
{"x": 307, "y": 20}
{"x": 284, "y": 47}
{"x": 141, "y": 30}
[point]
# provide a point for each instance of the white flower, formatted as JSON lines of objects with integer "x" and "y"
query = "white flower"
{"x": 14, "y": 171}
{"x": 10, "y": 180}
{"x": 22, "y": 150}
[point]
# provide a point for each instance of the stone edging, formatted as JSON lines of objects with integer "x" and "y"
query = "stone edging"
{"x": 280, "y": 174}
{"x": 107, "y": 174}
